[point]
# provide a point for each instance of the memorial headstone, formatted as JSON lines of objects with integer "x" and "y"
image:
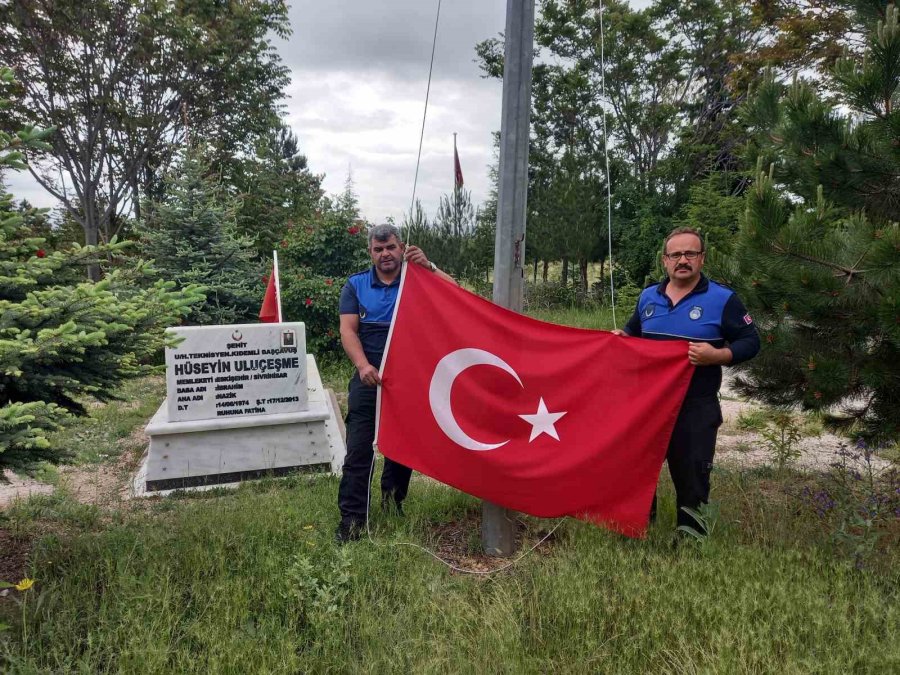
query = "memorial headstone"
{"x": 220, "y": 371}
{"x": 243, "y": 401}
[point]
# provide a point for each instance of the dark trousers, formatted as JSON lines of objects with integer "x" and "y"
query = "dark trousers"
{"x": 690, "y": 454}
{"x": 354, "y": 488}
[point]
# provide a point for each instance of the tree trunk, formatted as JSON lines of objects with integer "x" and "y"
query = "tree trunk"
{"x": 535, "y": 270}
{"x": 91, "y": 235}
{"x": 565, "y": 272}
{"x": 546, "y": 270}
{"x": 136, "y": 198}
{"x": 600, "y": 287}
{"x": 583, "y": 269}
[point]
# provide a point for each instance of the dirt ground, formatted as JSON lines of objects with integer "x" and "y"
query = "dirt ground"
{"x": 100, "y": 484}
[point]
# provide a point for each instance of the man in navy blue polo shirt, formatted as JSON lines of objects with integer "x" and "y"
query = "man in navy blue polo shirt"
{"x": 366, "y": 307}
{"x": 711, "y": 317}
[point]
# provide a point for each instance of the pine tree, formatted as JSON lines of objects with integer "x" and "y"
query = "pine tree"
{"x": 276, "y": 189}
{"x": 63, "y": 339}
{"x": 817, "y": 259}
{"x": 190, "y": 236}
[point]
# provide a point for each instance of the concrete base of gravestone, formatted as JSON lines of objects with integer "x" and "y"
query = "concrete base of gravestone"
{"x": 200, "y": 454}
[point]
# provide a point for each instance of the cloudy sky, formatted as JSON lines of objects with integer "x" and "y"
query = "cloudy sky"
{"x": 360, "y": 71}
{"x": 359, "y": 74}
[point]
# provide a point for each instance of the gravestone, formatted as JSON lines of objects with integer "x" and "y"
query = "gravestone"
{"x": 243, "y": 401}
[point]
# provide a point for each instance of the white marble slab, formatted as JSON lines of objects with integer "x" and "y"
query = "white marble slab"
{"x": 242, "y": 370}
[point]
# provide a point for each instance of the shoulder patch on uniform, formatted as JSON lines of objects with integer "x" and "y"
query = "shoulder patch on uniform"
{"x": 748, "y": 319}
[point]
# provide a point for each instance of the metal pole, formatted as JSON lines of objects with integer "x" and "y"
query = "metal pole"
{"x": 509, "y": 250}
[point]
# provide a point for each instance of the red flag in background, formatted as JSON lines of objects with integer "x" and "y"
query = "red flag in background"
{"x": 268, "y": 313}
{"x": 540, "y": 418}
{"x": 457, "y": 169}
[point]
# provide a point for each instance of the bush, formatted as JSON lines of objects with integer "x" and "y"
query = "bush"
{"x": 549, "y": 295}
{"x": 314, "y": 262}
{"x": 859, "y": 500}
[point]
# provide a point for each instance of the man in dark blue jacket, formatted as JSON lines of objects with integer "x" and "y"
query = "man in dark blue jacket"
{"x": 366, "y": 307}
{"x": 711, "y": 317}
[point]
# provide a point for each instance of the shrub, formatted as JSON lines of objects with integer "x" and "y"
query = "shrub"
{"x": 314, "y": 262}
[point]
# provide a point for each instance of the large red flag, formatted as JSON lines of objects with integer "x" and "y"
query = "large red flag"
{"x": 540, "y": 418}
{"x": 268, "y": 313}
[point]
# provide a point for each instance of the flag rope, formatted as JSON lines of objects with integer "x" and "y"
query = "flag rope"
{"x": 612, "y": 285}
{"x": 412, "y": 202}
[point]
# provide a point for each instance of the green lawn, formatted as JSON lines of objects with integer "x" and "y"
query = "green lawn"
{"x": 600, "y": 319}
{"x": 250, "y": 581}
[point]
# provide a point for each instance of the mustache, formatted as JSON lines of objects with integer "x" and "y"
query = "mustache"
{"x": 683, "y": 267}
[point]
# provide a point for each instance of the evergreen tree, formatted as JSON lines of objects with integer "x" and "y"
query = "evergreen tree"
{"x": 818, "y": 255}
{"x": 61, "y": 340}
{"x": 190, "y": 235}
{"x": 276, "y": 189}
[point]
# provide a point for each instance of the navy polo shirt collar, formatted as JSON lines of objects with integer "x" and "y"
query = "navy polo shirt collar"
{"x": 376, "y": 282}
{"x": 701, "y": 287}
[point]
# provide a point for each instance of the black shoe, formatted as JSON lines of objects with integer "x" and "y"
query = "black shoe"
{"x": 347, "y": 531}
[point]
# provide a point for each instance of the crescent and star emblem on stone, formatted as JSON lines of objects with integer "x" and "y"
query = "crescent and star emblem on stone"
{"x": 445, "y": 373}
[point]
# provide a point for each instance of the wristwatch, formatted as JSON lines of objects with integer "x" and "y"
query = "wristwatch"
{"x": 432, "y": 266}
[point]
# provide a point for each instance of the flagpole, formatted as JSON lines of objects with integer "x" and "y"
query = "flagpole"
{"x": 277, "y": 285}
{"x": 497, "y": 534}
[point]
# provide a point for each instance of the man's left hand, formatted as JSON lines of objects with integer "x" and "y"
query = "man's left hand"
{"x": 416, "y": 255}
{"x": 704, "y": 354}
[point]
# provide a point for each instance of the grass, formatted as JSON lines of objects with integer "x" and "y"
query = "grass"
{"x": 250, "y": 581}
{"x": 100, "y": 436}
{"x": 599, "y": 319}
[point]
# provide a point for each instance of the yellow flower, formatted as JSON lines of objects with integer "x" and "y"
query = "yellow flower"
{"x": 25, "y": 584}
{"x": 307, "y": 527}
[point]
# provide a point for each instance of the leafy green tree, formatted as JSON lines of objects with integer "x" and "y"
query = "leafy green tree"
{"x": 818, "y": 255}
{"x": 61, "y": 340}
{"x": 126, "y": 81}
{"x": 807, "y": 34}
{"x": 668, "y": 110}
{"x": 314, "y": 262}
{"x": 715, "y": 207}
{"x": 190, "y": 234}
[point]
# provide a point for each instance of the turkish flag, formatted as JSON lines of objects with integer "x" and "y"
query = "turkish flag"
{"x": 457, "y": 169}
{"x": 539, "y": 418}
{"x": 268, "y": 313}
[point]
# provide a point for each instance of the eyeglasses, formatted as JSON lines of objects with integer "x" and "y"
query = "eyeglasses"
{"x": 676, "y": 255}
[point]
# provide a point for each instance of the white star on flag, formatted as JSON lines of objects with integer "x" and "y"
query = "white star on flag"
{"x": 542, "y": 422}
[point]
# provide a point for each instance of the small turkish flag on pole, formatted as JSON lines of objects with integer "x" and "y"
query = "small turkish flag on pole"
{"x": 457, "y": 169}
{"x": 270, "y": 312}
{"x": 535, "y": 417}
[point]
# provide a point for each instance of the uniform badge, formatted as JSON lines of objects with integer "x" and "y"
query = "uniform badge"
{"x": 648, "y": 311}
{"x": 748, "y": 319}
{"x": 362, "y": 312}
{"x": 696, "y": 312}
